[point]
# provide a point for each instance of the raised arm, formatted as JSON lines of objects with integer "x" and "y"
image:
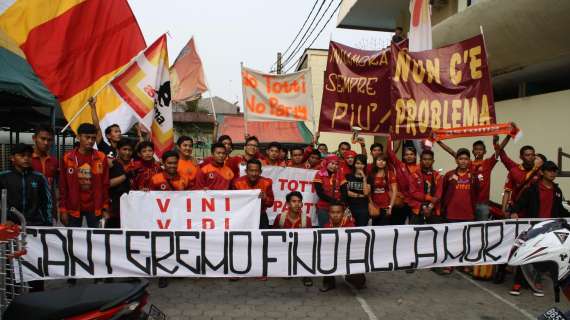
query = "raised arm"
{"x": 93, "y": 104}
{"x": 500, "y": 147}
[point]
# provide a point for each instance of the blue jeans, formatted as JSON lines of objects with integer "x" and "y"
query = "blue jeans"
{"x": 323, "y": 217}
{"x": 481, "y": 212}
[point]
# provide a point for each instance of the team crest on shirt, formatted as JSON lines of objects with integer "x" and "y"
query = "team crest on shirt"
{"x": 70, "y": 170}
{"x": 211, "y": 175}
{"x": 34, "y": 185}
{"x": 163, "y": 186}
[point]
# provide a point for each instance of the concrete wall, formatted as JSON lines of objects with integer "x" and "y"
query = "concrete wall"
{"x": 545, "y": 122}
{"x": 317, "y": 61}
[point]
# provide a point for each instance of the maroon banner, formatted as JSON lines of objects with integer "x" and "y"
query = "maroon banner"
{"x": 449, "y": 87}
{"x": 356, "y": 91}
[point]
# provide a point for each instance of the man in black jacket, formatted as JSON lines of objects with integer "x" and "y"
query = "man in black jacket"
{"x": 28, "y": 191}
{"x": 544, "y": 198}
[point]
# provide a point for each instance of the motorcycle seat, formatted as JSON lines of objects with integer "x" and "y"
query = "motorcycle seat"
{"x": 74, "y": 301}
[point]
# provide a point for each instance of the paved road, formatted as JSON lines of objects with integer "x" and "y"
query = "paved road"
{"x": 394, "y": 295}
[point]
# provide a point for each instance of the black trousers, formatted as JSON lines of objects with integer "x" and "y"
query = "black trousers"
{"x": 92, "y": 220}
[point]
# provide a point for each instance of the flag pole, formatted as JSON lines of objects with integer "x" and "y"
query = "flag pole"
{"x": 78, "y": 113}
{"x": 243, "y": 98}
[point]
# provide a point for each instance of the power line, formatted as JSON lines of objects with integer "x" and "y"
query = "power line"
{"x": 315, "y": 39}
{"x": 298, "y": 33}
{"x": 303, "y": 39}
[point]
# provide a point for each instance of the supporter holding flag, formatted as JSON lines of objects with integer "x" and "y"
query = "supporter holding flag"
{"x": 253, "y": 180}
{"x": 328, "y": 182}
{"x": 406, "y": 171}
{"x": 383, "y": 190}
{"x": 426, "y": 194}
{"x": 337, "y": 219}
{"x": 187, "y": 164}
{"x": 28, "y": 192}
{"x": 120, "y": 175}
{"x": 482, "y": 167}
{"x": 273, "y": 155}
{"x": 294, "y": 218}
{"x": 355, "y": 191}
{"x": 376, "y": 150}
{"x": 215, "y": 175}
{"x": 297, "y": 161}
{"x": 84, "y": 182}
{"x": 145, "y": 167}
{"x": 314, "y": 160}
{"x": 112, "y": 132}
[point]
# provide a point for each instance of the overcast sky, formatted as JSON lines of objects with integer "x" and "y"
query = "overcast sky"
{"x": 229, "y": 32}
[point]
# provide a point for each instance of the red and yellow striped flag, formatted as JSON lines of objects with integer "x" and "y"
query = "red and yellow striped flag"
{"x": 75, "y": 47}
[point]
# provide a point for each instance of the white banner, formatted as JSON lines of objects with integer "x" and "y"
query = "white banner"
{"x": 277, "y": 97}
{"x": 286, "y": 180}
{"x": 190, "y": 210}
{"x": 103, "y": 253}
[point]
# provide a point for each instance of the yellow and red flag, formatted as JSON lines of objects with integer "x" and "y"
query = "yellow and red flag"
{"x": 76, "y": 47}
{"x": 145, "y": 87}
{"x": 187, "y": 75}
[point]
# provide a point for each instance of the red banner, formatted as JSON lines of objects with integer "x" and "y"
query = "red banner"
{"x": 356, "y": 91}
{"x": 449, "y": 87}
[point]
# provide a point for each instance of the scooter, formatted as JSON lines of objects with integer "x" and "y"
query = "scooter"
{"x": 105, "y": 301}
{"x": 120, "y": 300}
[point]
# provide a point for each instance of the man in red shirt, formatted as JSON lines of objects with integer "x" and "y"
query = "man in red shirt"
{"x": 273, "y": 155}
{"x": 460, "y": 189}
{"x": 145, "y": 167}
{"x": 84, "y": 182}
{"x": 42, "y": 161}
{"x": 253, "y": 180}
{"x": 215, "y": 175}
{"x": 337, "y": 219}
{"x": 314, "y": 160}
{"x": 297, "y": 158}
{"x": 406, "y": 171}
{"x": 542, "y": 199}
{"x": 426, "y": 195}
{"x": 519, "y": 177}
{"x": 482, "y": 167}
{"x": 294, "y": 218}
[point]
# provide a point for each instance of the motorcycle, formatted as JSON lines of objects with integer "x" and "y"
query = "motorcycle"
{"x": 104, "y": 301}
{"x": 545, "y": 248}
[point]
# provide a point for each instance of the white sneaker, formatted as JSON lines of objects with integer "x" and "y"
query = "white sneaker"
{"x": 538, "y": 293}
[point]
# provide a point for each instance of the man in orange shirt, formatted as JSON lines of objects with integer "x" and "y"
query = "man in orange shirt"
{"x": 254, "y": 180}
{"x": 169, "y": 179}
{"x": 187, "y": 165}
{"x": 297, "y": 158}
{"x": 215, "y": 175}
{"x": 273, "y": 155}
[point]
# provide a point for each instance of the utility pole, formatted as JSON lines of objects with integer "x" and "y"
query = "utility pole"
{"x": 279, "y": 65}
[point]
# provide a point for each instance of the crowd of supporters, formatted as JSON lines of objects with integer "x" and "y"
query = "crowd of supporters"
{"x": 373, "y": 187}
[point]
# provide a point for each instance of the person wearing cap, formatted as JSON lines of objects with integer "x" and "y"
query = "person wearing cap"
{"x": 542, "y": 199}
{"x": 84, "y": 182}
{"x": 28, "y": 190}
